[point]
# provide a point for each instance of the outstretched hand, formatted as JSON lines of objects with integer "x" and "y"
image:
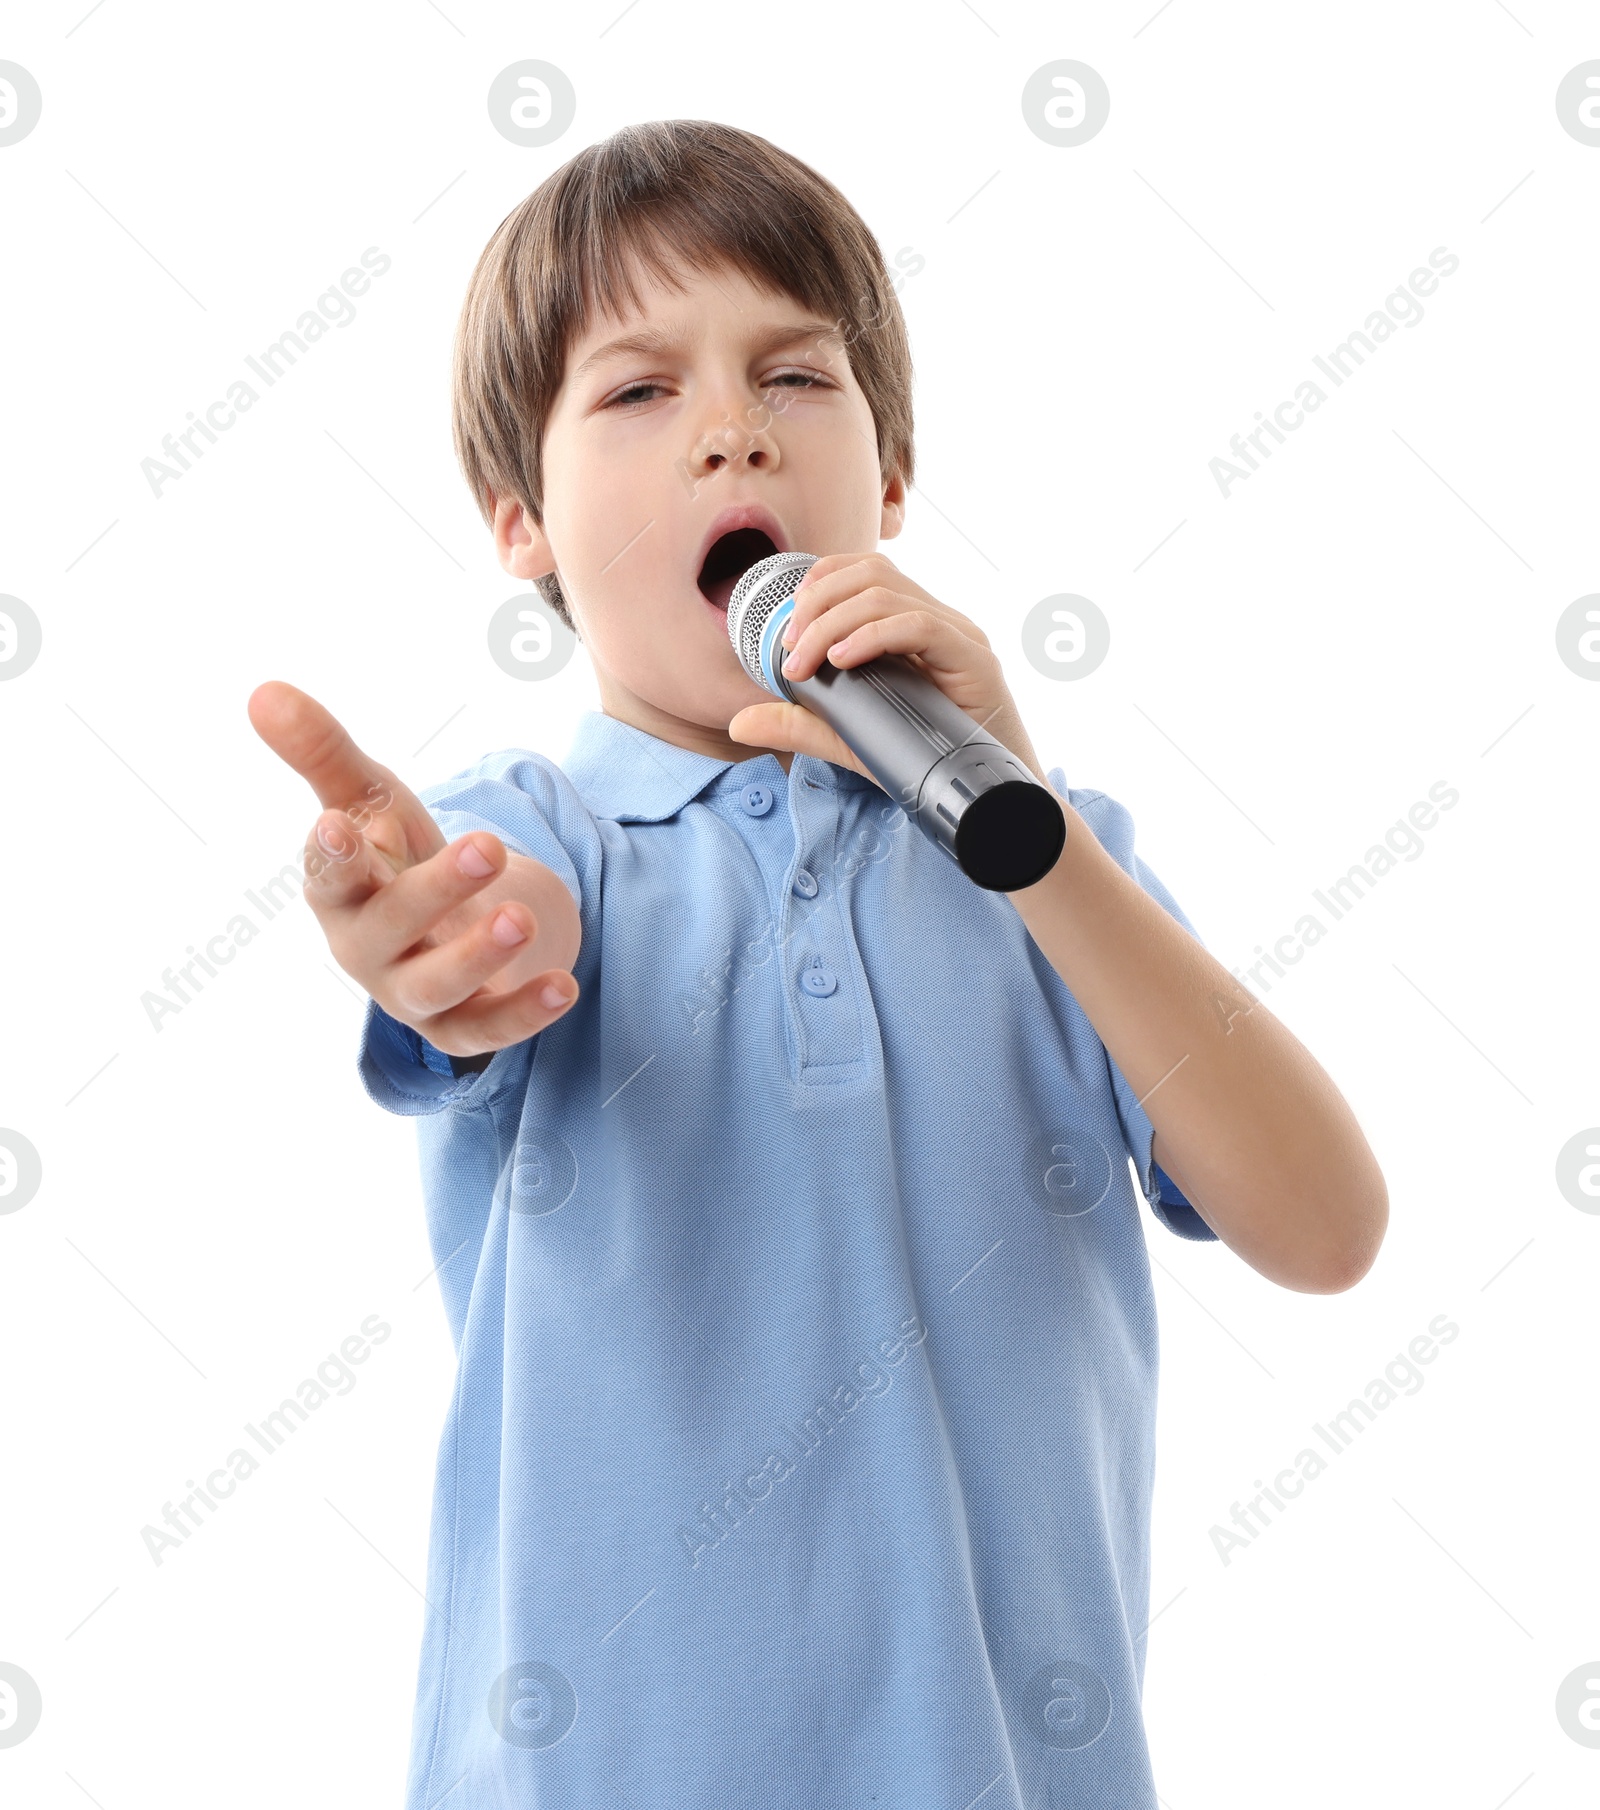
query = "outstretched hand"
{"x": 446, "y": 938}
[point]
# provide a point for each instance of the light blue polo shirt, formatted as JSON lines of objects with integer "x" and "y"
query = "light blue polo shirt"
{"x": 801, "y": 1450}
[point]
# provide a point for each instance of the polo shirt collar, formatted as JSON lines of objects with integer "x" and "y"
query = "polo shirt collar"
{"x": 630, "y": 776}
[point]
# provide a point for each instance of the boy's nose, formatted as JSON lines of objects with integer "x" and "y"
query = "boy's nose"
{"x": 736, "y": 440}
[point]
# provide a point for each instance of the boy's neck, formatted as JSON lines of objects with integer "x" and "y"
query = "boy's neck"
{"x": 616, "y": 701}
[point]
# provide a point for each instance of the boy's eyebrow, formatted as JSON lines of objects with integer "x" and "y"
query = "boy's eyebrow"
{"x": 654, "y": 340}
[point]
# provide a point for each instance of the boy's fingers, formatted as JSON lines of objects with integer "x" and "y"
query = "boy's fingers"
{"x": 317, "y": 745}
{"x": 435, "y": 980}
{"x": 490, "y": 1021}
{"x": 341, "y": 867}
{"x": 414, "y": 901}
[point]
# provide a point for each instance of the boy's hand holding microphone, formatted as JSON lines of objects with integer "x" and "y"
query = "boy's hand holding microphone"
{"x": 469, "y": 944}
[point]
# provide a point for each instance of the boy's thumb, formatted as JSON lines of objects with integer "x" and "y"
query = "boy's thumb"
{"x": 786, "y": 726}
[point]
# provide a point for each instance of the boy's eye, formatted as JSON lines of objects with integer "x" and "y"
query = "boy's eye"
{"x": 633, "y": 389}
{"x": 809, "y": 379}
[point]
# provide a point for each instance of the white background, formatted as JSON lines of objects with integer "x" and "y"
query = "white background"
{"x": 1371, "y": 613}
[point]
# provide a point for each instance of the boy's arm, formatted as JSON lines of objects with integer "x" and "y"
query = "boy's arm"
{"x": 1247, "y": 1123}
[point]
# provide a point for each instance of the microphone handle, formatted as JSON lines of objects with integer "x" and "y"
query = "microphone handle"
{"x": 969, "y": 795}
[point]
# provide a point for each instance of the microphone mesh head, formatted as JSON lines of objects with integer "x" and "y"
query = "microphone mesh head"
{"x": 768, "y": 583}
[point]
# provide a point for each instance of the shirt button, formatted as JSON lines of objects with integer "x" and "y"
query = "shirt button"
{"x": 757, "y": 800}
{"x": 805, "y": 883}
{"x": 819, "y": 982}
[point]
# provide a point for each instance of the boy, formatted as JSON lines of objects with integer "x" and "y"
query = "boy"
{"x": 777, "y": 1175}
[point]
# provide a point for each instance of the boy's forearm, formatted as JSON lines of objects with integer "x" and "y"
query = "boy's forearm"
{"x": 1247, "y": 1123}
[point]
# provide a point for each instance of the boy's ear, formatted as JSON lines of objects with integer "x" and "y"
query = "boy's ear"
{"x": 520, "y": 542}
{"x": 894, "y": 507}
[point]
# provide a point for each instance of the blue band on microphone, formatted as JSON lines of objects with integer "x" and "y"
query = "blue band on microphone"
{"x": 772, "y": 648}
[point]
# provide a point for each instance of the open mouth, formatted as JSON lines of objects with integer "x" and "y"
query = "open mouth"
{"x": 730, "y": 557}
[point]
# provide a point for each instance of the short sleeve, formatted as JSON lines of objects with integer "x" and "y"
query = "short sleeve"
{"x": 532, "y": 806}
{"x": 1112, "y": 825}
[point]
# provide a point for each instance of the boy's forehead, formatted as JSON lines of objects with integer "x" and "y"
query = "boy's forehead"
{"x": 677, "y": 314}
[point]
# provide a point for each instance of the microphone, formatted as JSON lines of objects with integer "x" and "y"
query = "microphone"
{"x": 968, "y": 795}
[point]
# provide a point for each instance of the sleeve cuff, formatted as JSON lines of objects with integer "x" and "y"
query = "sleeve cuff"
{"x": 1159, "y": 1189}
{"x": 1179, "y": 1215}
{"x": 403, "y": 1073}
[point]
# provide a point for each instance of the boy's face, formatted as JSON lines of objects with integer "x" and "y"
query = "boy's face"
{"x": 645, "y": 448}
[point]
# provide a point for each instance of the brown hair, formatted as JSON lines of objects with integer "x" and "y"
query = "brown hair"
{"x": 687, "y": 190}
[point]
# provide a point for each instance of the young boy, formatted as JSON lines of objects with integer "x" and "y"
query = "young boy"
{"x": 778, "y": 1176}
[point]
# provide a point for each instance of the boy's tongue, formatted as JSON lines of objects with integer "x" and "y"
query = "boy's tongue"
{"x": 719, "y": 590}
{"x": 728, "y": 560}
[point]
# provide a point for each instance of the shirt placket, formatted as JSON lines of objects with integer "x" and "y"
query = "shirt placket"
{"x": 824, "y": 986}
